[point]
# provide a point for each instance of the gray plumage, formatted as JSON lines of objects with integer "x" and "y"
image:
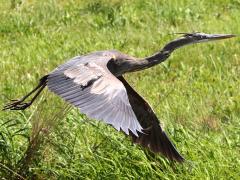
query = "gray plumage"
{"x": 90, "y": 86}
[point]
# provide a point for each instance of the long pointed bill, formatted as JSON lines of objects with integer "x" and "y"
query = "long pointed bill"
{"x": 193, "y": 38}
{"x": 210, "y": 37}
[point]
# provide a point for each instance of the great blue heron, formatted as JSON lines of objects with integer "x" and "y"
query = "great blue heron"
{"x": 94, "y": 83}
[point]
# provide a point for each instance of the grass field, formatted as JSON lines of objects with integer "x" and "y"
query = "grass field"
{"x": 195, "y": 94}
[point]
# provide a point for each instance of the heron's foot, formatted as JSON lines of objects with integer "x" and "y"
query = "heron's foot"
{"x": 17, "y": 105}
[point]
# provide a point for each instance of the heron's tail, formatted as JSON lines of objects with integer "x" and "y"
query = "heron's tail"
{"x": 21, "y": 104}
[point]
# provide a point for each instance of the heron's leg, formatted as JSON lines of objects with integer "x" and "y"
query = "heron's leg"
{"x": 20, "y": 104}
{"x": 30, "y": 93}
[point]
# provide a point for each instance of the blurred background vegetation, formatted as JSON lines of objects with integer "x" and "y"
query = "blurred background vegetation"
{"x": 195, "y": 93}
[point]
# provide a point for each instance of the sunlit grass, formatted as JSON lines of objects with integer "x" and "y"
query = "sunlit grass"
{"x": 195, "y": 93}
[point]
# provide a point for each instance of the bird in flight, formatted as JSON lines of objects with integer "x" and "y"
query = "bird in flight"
{"x": 94, "y": 83}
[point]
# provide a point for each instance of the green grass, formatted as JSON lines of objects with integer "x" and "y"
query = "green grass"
{"x": 195, "y": 93}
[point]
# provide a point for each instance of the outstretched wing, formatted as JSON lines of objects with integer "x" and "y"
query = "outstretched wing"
{"x": 153, "y": 137}
{"x": 86, "y": 83}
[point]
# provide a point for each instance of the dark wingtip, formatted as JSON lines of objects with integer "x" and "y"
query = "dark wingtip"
{"x": 153, "y": 137}
{"x": 171, "y": 151}
{"x": 157, "y": 141}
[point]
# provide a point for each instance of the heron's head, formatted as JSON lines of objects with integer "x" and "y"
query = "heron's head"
{"x": 202, "y": 37}
{"x": 193, "y": 38}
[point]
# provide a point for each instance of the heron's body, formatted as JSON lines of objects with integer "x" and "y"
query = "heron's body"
{"x": 94, "y": 83}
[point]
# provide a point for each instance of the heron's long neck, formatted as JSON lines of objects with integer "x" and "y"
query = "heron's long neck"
{"x": 151, "y": 60}
{"x": 160, "y": 56}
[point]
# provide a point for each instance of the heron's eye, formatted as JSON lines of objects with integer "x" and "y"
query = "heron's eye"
{"x": 188, "y": 35}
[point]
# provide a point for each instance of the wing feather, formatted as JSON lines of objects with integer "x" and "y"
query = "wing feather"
{"x": 99, "y": 111}
{"x": 68, "y": 88}
{"x": 89, "y": 85}
{"x": 153, "y": 136}
{"x": 75, "y": 92}
{"x": 59, "y": 82}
